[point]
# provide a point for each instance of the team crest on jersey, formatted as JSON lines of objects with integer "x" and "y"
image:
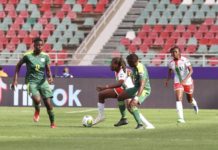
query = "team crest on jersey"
{"x": 42, "y": 59}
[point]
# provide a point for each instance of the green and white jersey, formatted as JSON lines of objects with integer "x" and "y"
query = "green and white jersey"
{"x": 140, "y": 73}
{"x": 35, "y": 66}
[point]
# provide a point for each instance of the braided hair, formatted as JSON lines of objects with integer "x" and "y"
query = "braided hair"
{"x": 120, "y": 61}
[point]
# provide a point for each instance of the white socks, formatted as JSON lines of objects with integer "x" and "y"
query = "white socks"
{"x": 179, "y": 109}
{"x": 145, "y": 121}
{"x": 194, "y": 103}
{"x": 101, "y": 109}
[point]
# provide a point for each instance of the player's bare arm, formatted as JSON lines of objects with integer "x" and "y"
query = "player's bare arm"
{"x": 48, "y": 73}
{"x": 168, "y": 77}
{"x": 17, "y": 70}
{"x": 189, "y": 74}
{"x": 115, "y": 85}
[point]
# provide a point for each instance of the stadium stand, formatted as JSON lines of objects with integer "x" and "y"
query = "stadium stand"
{"x": 161, "y": 24}
{"x": 62, "y": 24}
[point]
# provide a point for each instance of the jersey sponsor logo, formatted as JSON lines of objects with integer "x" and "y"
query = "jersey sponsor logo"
{"x": 42, "y": 59}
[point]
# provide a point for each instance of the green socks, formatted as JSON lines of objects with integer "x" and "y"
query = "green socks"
{"x": 51, "y": 116}
{"x": 135, "y": 113}
{"x": 122, "y": 108}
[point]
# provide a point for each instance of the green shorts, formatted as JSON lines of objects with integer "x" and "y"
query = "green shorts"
{"x": 133, "y": 91}
{"x": 43, "y": 89}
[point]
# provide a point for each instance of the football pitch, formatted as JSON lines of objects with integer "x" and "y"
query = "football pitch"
{"x": 19, "y": 132}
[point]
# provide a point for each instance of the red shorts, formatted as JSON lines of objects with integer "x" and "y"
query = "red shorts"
{"x": 118, "y": 91}
{"x": 189, "y": 89}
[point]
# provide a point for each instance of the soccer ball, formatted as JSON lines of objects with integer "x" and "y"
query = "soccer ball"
{"x": 87, "y": 121}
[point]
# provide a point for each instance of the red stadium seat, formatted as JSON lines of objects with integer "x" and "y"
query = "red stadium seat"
{"x": 27, "y": 40}
{"x": 62, "y": 54}
{"x": 142, "y": 34}
{"x": 9, "y": 7}
{"x": 176, "y": 35}
{"x": 198, "y": 35}
{"x": 165, "y": 35}
{"x": 181, "y": 41}
{"x": 4, "y": 40}
{"x": 34, "y": 34}
{"x": 50, "y": 27}
{"x": 43, "y": 21}
{"x": 12, "y": 14}
{"x": 192, "y": 28}
{"x": 2, "y": 33}
{"x": 214, "y": 29}
{"x": 82, "y": 2}
{"x": 66, "y": 8}
{"x": 180, "y": 28}
{"x": 209, "y": 35}
{"x": 176, "y": 2}
{"x": 191, "y": 48}
{"x": 45, "y": 34}
{"x": 100, "y": 8}
{"x": 24, "y": 14}
{"x": 11, "y": 34}
{"x": 203, "y": 29}
{"x": 213, "y": 61}
{"x": 148, "y": 41}
{"x": 146, "y": 28}
{"x": 3, "y": 2}
{"x": 15, "y": 27}
{"x": 1, "y": 47}
{"x": 47, "y": 47}
{"x": 2, "y": 14}
{"x": 158, "y": 42}
{"x": 72, "y": 15}
{"x": 137, "y": 41}
{"x": 19, "y": 21}
{"x": 103, "y": 2}
{"x": 124, "y": 41}
{"x": 153, "y": 35}
{"x": 22, "y": 34}
{"x": 144, "y": 48}
{"x": 186, "y": 35}
{"x": 45, "y": 7}
{"x": 48, "y": 15}
{"x": 132, "y": 48}
{"x": 37, "y": 2}
{"x": 11, "y": 47}
{"x": 60, "y": 14}
{"x": 15, "y": 41}
{"x": 49, "y": 2}
{"x": 88, "y": 8}
{"x": 170, "y": 42}
{"x": 209, "y": 21}
{"x": 13, "y": 1}
{"x": 58, "y": 2}
{"x": 213, "y": 41}
{"x": 204, "y": 41}
{"x": 157, "y": 28}
{"x": 169, "y": 28}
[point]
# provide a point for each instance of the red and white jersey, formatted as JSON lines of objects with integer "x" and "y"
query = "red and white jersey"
{"x": 125, "y": 76}
{"x": 180, "y": 69}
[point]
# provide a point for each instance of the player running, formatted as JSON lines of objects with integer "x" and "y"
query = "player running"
{"x": 37, "y": 63}
{"x": 124, "y": 81}
{"x": 139, "y": 92}
{"x": 183, "y": 81}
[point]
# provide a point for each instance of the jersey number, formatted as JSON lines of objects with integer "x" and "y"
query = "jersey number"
{"x": 37, "y": 67}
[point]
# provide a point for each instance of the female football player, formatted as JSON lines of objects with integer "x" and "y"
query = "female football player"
{"x": 183, "y": 81}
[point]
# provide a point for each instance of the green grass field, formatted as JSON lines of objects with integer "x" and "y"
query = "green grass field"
{"x": 19, "y": 132}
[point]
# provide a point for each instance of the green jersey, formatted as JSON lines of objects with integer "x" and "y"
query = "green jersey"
{"x": 35, "y": 66}
{"x": 140, "y": 73}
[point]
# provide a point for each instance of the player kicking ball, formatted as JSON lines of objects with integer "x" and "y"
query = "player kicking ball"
{"x": 183, "y": 81}
{"x": 37, "y": 63}
{"x": 124, "y": 81}
{"x": 138, "y": 93}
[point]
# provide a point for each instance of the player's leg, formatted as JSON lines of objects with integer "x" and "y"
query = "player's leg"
{"x": 46, "y": 94}
{"x": 189, "y": 89}
{"x": 122, "y": 106}
{"x": 35, "y": 94}
{"x": 108, "y": 93}
{"x": 49, "y": 107}
{"x": 179, "y": 106}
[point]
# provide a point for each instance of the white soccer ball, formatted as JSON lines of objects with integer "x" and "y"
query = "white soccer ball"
{"x": 87, "y": 121}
